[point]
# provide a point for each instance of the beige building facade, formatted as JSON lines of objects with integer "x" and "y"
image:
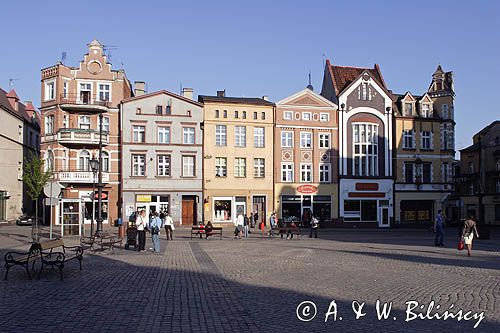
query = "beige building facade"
{"x": 73, "y": 98}
{"x": 305, "y": 157}
{"x": 237, "y": 157}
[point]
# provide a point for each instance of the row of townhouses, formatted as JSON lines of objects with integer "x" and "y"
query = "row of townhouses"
{"x": 354, "y": 154}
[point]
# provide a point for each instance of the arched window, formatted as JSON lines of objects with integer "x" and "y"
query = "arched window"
{"x": 49, "y": 161}
{"x": 105, "y": 161}
{"x": 84, "y": 161}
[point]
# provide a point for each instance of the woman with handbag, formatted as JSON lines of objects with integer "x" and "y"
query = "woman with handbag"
{"x": 468, "y": 233}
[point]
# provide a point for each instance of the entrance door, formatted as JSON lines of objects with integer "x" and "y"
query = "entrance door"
{"x": 189, "y": 210}
{"x": 259, "y": 206}
{"x": 384, "y": 217}
{"x": 71, "y": 217}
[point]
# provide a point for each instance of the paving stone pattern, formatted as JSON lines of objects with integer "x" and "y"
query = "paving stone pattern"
{"x": 254, "y": 285}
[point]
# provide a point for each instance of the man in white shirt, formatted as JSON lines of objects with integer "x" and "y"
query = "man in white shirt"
{"x": 141, "y": 224}
{"x": 169, "y": 226}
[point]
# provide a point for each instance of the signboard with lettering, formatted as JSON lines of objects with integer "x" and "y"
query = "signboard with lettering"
{"x": 307, "y": 189}
{"x": 143, "y": 198}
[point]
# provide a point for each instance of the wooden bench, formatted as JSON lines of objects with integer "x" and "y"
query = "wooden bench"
{"x": 87, "y": 242}
{"x": 107, "y": 240}
{"x": 14, "y": 258}
{"x": 44, "y": 252}
{"x": 197, "y": 231}
{"x": 282, "y": 231}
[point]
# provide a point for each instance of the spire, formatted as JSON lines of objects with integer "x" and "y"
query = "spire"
{"x": 309, "y": 86}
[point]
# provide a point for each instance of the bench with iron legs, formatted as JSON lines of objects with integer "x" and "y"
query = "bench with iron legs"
{"x": 44, "y": 252}
{"x": 199, "y": 231}
{"x": 285, "y": 231}
{"x": 102, "y": 240}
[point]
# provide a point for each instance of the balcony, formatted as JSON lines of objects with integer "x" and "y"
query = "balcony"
{"x": 83, "y": 102}
{"x": 80, "y": 177}
{"x": 79, "y": 136}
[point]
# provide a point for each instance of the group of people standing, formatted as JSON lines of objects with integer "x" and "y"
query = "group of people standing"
{"x": 154, "y": 224}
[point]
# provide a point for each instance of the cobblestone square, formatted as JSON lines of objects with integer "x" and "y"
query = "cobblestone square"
{"x": 256, "y": 284}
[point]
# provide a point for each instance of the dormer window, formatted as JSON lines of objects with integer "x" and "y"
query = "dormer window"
{"x": 408, "y": 110}
{"x": 426, "y": 112}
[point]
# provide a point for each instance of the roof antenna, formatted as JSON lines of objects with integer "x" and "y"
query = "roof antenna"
{"x": 11, "y": 83}
{"x": 63, "y": 57}
{"x": 180, "y": 91}
{"x": 309, "y": 86}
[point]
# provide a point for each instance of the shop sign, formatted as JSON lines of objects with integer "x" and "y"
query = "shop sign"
{"x": 143, "y": 198}
{"x": 104, "y": 195}
{"x": 307, "y": 189}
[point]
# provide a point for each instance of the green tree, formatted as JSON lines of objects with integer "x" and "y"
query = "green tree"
{"x": 35, "y": 177}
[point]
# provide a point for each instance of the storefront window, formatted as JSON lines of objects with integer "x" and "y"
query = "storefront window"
{"x": 291, "y": 206}
{"x": 222, "y": 209}
{"x": 322, "y": 207}
{"x": 360, "y": 210}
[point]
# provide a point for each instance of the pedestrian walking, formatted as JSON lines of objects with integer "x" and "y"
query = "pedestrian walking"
{"x": 155, "y": 227}
{"x": 246, "y": 226}
{"x": 239, "y": 222}
{"x": 469, "y": 232}
{"x": 256, "y": 218}
{"x": 141, "y": 223}
{"x": 169, "y": 226}
{"x": 272, "y": 223}
{"x": 439, "y": 229}
{"x": 314, "y": 227}
{"x": 252, "y": 221}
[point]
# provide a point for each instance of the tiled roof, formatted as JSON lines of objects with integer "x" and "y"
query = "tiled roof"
{"x": 22, "y": 110}
{"x": 234, "y": 100}
{"x": 343, "y": 76}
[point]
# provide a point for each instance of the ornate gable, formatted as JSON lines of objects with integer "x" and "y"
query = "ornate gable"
{"x": 307, "y": 98}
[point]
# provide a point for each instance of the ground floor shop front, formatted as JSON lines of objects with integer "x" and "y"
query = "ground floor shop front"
{"x": 184, "y": 207}
{"x": 420, "y": 208}
{"x": 366, "y": 202}
{"x": 293, "y": 202}
{"x": 224, "y": 206}
{"x": 77, "y": 209}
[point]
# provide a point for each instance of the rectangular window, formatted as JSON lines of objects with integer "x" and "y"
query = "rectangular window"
{"x": 220, "y": 167}
{"x": 188, "y": 166}
{"x": 306, "y": 172}
{"x": 324, "y": 140}
{"x": 50, "y": 90}
{"x": 104, "y": 92}
{"x": 263, "y": 115}
{"x": 305, "y": 140}
{"x": 444, "y": 111}
{"x": 220, "y": 135}
{"x": 163, "y": 168}
{"x": 408, "y": 109}
{"x": 138, "y": 165}
{"x": 288, "y": 115}
{"x": 168, "y": 108}
{"x": 65, "y": 121}
{"x": 427, "y": 173}
{"x": 159, "y": 109}
{"x": 287, "y": 172}
{"x": 236, "y": 114}
{"x": 139, "y": 133}
{"x": 224, "y": 113}
{"x": 324, "y": 117}
{"x": 365, "y": 162}
{"x": 426, "y": 140}
{"x": 255, "y": 115}
{"x": 49, "y": 124}
{"x": 364, "y": 94}
{"x": 65, "y": 89}
{"x": 408, "y": 139}
{"x": 409, "y": 172}
{"x": 244, "y": 114}
{"x": 217, "y": 114}
{"x": 258, "y": 137}
{"x": 445, "y": 173}
{"x": 105, "y": 124}
{"x": 240, "y": 165}
{"x": 286, "y": 139}
{"x": 240, "y": 136}
{"x": 426, "y": 113}
{"x": 163, "y": 134}
{"x": 306, "y": 115}
{"x": 324, "y": 173}
{"x": 188, "y": 135}
{"x": 258, "y": 167}
{"x": 84, "y": 122}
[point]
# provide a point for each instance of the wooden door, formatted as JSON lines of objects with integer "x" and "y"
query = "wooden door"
{"x": 189, "y": 210}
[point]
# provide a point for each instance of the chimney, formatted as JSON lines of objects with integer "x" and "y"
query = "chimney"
{"x": 30, "y": 109}
{"x": 265, "y": 97}
{"x": 13, "y": 99}
{"x": 139, "y": 88}
{"x": 187, "y": 93}
{"x": 221, "y": 93}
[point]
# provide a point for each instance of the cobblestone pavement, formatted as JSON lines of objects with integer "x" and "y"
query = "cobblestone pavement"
{"x": 255, "y": 285}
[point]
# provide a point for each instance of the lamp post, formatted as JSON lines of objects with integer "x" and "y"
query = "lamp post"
{"x": 99, "y": 184}
{"x": 94, "y": 166}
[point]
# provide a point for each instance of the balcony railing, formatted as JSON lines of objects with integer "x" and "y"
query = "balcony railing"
{"x": 80, "y": 177}
{"x": 81, "y": 136}
{"x": 84, "y": 100}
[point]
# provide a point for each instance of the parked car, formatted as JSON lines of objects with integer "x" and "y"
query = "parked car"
{"x": 25, "y": 220}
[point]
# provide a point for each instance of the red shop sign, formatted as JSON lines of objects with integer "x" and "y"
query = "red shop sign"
{"x": 307, "y": 189}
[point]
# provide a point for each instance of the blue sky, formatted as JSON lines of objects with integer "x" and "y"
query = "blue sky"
{"x": 255, "y": 48}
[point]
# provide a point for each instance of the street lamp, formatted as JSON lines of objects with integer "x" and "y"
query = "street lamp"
{"x": 94, "y": 166}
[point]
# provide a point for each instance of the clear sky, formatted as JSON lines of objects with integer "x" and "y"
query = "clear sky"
{"x": 255, "y": 48}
